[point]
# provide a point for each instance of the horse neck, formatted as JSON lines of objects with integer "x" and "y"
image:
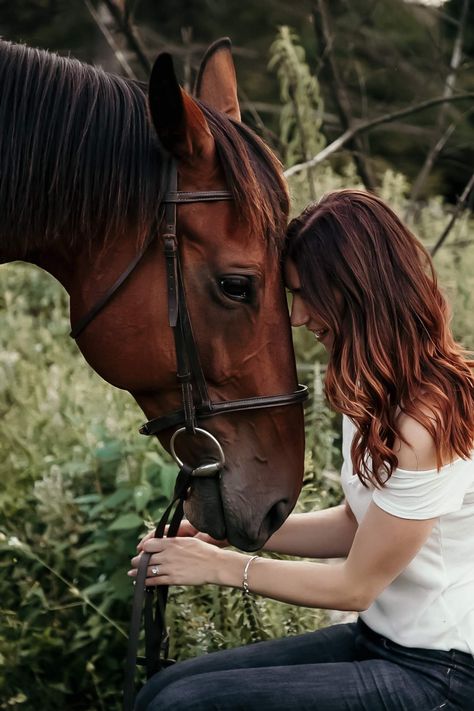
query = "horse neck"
{"x": 55, "y": 259}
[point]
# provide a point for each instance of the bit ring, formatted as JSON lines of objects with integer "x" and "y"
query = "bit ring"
{"x": 204, "y": 469}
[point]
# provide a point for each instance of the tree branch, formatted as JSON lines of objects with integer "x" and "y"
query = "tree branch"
{"x": 442, "y": 135}
{"x": 123, "y": 22}
{"x": 341, "y": 99}
{"x": 109, "y": 38}
{"x": 362, "y": 126}
{"x": 461, "y": 204}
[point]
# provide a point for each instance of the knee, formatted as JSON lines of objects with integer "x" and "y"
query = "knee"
{"x": 182, "y": 695}
{"x": 153, "y": 687}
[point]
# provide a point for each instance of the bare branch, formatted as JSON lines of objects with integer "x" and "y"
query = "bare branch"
{"x": 362, "y": 126}
{"x": 431, "y": 157}
{"x": 123, "y": 22}
{"x": 187, "y": 36}
{"x": 461, "y": 204}
{"x": 325, "y": 37}
{"x": 442, "y": 135}
{"x": 130, "y": 9}
{"x": 110, "y": 40}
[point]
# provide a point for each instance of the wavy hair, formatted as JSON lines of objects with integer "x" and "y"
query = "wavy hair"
{"x": 373, "y": 284}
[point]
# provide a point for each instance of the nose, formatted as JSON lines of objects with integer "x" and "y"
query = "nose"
{"x": 299, "y": 313}
{"x": 255, "y": 531}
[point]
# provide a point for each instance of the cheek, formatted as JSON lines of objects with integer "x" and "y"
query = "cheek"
{"x": 134, "y": 352}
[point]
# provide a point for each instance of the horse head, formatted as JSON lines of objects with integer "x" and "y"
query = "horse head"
{"x": 229, "y": 252}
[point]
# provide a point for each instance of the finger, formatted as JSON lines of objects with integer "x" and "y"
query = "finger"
{"x": 185, "y": 529}
{"x": 154, "y": 571}
{"x": 149, "y": 535}
{"x": 158, "y": 580}
{"x": 151, "y": 580}
{"x": 155, "y": 545}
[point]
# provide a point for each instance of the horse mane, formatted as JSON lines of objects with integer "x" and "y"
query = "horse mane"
{"x": 80, "y": 162}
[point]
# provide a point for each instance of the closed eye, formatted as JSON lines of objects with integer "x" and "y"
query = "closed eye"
{"x": 238, "y": 287}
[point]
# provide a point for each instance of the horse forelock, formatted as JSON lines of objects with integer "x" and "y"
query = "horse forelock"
{"x": 254, "y": 176}
{"x": 80, "y": 162}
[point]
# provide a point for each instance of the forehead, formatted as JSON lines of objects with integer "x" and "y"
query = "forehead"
{"x": 292, "y": 279}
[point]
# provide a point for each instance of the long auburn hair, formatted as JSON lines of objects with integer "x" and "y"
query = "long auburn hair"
{"x": 373, "y": 284}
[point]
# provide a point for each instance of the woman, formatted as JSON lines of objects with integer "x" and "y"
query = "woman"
{"x": 405, "y": 535}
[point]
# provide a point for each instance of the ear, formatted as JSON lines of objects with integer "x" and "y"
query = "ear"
{"x": 179, "y": 122}
{"x": 216, "y": 82}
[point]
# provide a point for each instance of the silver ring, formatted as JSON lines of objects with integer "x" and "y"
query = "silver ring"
{"x": 204, "y": 469}
{"x": 155, "y": 570}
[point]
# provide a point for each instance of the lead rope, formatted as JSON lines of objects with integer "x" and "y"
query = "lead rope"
{"x": 156, "y": 634}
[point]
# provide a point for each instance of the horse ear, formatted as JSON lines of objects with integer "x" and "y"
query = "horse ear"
{"x": 179, "y": 122}
{"x": 216, "y": 82}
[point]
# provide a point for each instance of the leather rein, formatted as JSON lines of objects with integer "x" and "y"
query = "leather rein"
{"x": 196, "y": 406}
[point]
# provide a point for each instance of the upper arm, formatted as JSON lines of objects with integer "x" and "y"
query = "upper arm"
{"x": 415, "y": 449}
{"x": 383, "y": 546}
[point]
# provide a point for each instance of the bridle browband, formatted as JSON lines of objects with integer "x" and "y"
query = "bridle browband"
{"x": 196, "y": 406}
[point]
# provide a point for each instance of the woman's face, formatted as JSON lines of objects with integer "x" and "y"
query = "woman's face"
{"x": 302, "y": 314}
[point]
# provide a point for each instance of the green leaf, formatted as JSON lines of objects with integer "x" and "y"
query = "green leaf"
{"x": 168, "y": 476}
{"x": 96, "y": 589}
{"x": 110, "y": 502}
{"x": 87, "y": 499}
{"x": 126, "y": 522}
{"x": 142, "y": 495}
{"x": 110, "y": 452}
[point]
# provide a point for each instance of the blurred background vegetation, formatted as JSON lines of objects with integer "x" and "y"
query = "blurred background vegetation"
{"x": 78, "y": 484}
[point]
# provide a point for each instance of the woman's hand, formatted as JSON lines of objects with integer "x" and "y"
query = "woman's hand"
{"x": 185, "y": 560}
{"x": 187, "y": 530}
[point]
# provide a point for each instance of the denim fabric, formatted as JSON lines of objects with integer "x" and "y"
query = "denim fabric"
{"x": 341, "y": 668}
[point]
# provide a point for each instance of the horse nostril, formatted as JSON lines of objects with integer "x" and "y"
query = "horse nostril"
{"x": 276, "y": 515}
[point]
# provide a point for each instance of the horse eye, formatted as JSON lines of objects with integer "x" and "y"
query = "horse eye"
{"x": 236, "y": 287}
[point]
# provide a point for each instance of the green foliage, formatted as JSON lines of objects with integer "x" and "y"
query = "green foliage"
{"x": 302, "y": 109}
{"x": 79, "y": 487}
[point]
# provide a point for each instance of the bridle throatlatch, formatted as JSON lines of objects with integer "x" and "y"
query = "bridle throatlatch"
{"x": 196, "y": 406}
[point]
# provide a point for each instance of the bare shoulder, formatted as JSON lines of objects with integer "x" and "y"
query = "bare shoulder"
{"x": 418, "y": 451}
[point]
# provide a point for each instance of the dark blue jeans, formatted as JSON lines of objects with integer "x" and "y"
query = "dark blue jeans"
{"x": 341, "y": 668}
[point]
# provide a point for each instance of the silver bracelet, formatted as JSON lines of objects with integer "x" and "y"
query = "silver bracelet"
{"x": 245, "y": 581}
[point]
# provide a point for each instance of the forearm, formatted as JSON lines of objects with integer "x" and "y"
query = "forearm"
{"x": 327, "y": 586}
{"x": 319, "y": 534}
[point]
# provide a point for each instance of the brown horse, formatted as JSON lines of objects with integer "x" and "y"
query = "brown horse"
{"x": 81, "y": 184}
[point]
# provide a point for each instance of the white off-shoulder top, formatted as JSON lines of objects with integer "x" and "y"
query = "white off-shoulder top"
{"x": 431, "y": 603}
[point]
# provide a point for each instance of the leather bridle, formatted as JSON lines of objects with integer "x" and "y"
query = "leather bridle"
{"x": 196, "y": 406}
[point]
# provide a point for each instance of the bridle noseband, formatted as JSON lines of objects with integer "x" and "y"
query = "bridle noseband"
{"x": 196, "y": 406}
